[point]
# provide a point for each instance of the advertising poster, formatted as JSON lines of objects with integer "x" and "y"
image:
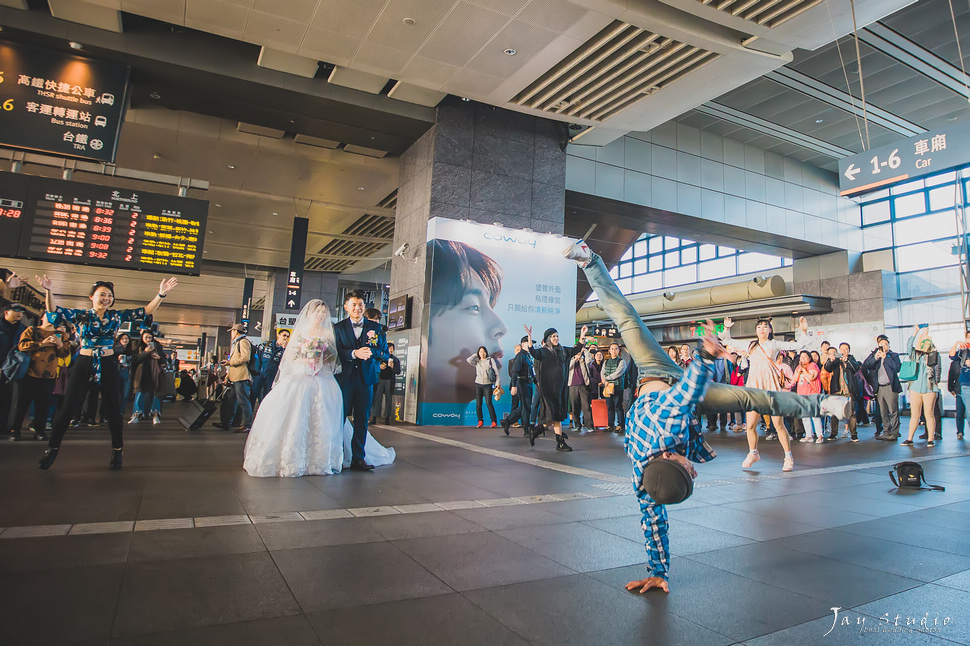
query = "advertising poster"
{"x": 484, "y": 283}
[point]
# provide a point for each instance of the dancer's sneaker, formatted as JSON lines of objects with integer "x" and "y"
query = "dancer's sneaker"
{"x": 156, "y": 419}
{"x": 750, "y": 460}
{"x": 845, "y": 434}
{"x": 789, "y": 464}
{"x": 134, "y": 419}
{"x": 820, "y": 440}
{"x": 771, "y": 436}
{"x": 580, "y": 252}
{"x": 836, "y": 405}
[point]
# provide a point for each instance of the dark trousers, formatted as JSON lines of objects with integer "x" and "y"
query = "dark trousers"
{"x": 89, "y": 412}
{"x": 77, "y": 389}
{"x": 484, "y": 391}
{"x": 536, "y": 404}
{"x": 36, "y": 391}
{"x": 357, "y": 401}
{"x": 712, "y": 420}
{"x": 384, "y": 399}
{"x": 961, "y": 413}
{"x": 614, "y": 409}
{"x": 521, "y": 404}
{"x": 243, "y": 402}
{"x": 582, "y": 414}
{"x": 7, "y": 400}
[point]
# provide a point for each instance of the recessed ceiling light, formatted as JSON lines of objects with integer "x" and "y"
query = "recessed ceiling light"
{"x": 211, "y": 231}
{"x": 275, "y": 212}
{"x": 819, "y": 120}
{"x": 361, "y": 188}
{"x": 230, "y": 166}
{"x": 218, "y": 206}
{"x": 510, "y": 52}
{"x": 408, "y": 21}
{"x": 75, "y": 45}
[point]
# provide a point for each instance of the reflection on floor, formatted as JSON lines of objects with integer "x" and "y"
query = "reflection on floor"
{"x": 472, "y": 537}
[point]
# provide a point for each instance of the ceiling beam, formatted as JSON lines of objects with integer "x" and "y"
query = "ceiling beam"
{"x": 843, "y": 100}
{"x": 306, "y": 204}
{"x": 772, "y": 129}
{"x": 882, "y": 38}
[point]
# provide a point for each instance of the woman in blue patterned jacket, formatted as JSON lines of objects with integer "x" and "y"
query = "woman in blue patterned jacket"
{"x": 96, "y": 360}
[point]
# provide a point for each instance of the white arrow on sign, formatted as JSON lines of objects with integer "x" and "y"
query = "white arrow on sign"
{"x": 851, "y": 172}
{"x": 291, "y": 303}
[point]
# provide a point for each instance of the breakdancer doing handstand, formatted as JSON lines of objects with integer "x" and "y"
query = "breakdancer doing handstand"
{"x": 663, "y": 435}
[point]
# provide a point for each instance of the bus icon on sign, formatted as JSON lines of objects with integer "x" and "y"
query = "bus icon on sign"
{"x": 107, "y": 99}
{"x": 101, "y": 121}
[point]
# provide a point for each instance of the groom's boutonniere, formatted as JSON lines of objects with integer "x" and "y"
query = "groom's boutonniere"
{"x": 372, "y": 338}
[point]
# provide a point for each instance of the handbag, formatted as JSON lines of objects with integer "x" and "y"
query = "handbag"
{"x": 490, "y": 375}
{"x": 910, "y": 475}
{"x": 16, "y": 365}
{"x": 608, "y": 389}
{"x": 908, "y": 370}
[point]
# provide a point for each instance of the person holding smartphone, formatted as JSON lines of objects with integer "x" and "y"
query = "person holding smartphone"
{"x": 147, "y": 364}
{"x": 45, "y": 345}
{"x": 923, "y": 390}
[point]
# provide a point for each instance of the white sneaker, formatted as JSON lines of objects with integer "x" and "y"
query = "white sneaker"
{"x": 134, "y": 419}
{"x": 820, "y": 440}
{"x": 789, "y": 464}
{"x": 580, "y": 252}
{"x": 845, "y": 434}
{"x": 750, "y": 460}
{"x": 836, "y": 405}
{"x": 156, "y": 419}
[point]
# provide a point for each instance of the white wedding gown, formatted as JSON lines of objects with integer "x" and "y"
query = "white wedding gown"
{"x": 301, "y": 430}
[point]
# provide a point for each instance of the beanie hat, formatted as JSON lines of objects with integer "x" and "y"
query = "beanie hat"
{"x": 548, "y": 333}
{"x": 667, "y": 481}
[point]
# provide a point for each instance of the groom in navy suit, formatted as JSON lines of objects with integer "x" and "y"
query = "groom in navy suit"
{"x": 361, "y": 347}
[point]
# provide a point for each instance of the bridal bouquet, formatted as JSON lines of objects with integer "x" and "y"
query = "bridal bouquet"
{"x": 314, "y": 352}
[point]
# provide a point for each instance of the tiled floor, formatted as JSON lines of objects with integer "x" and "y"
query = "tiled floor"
{"x": 472, "y": 537}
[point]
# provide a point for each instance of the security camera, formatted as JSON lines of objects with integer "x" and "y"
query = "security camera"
{"x": 403, "y": 249}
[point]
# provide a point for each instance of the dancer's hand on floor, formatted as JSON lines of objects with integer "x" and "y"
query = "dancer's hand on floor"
{"x": 643, "y": 585}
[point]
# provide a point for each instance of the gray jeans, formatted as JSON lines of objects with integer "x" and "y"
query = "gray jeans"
{"x": 888, "y": 402}
{"x": 653, "y": 361}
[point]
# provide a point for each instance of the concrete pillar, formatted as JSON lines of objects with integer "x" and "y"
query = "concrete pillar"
{"x": 479, "y": 163}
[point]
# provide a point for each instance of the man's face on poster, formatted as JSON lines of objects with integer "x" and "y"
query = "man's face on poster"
{"x": 457, "y": 332}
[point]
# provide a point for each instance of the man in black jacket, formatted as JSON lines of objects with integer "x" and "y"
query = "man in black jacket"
{"x": 522, "y": 374}
{"x": 10, "y": 331}
{"x": 384, "y": 391}
{"x": 844, "y": 381}
{"x": 881, "y": 368}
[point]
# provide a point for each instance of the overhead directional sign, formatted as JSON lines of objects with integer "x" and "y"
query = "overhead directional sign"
{"x": 931, "y": 152}
{"x": 60, "y": 103}
{"x": 294, "y": 280}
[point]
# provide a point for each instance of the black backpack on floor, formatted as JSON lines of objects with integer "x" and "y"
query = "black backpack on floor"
{"x": 910, "y": 475}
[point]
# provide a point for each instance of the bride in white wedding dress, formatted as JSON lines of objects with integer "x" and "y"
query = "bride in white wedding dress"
{"x": 300, "y": 428}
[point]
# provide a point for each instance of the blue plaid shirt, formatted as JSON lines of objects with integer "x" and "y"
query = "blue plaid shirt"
{"x": 666, "y": 421}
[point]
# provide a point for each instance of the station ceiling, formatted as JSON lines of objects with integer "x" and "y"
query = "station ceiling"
{"x": 303, "y": 107}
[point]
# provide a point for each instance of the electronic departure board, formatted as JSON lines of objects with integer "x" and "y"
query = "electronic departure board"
{"x": 13, "y": 199}
{"x": 98, "y": 225}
